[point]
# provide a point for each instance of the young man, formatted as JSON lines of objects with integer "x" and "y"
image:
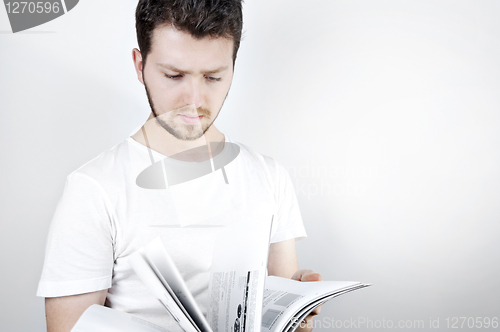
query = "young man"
{"x": 186, "y": 63}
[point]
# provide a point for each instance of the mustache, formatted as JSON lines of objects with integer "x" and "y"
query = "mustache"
{"x": 190, "y": 110}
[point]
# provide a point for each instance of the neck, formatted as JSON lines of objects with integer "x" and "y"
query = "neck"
{"x": 156, "y": 138}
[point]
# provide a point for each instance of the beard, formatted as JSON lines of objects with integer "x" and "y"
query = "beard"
{"x": 185, "y": 132}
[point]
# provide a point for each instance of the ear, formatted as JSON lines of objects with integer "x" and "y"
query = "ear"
{"x": 137, "y": 57}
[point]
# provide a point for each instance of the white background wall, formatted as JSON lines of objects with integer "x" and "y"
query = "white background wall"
{"x": 386, "y": 114}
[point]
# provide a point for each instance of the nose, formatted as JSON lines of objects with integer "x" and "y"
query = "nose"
{"x": 194, "y": 93}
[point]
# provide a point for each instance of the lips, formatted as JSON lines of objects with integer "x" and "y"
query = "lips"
{"x": 190, "y": 119}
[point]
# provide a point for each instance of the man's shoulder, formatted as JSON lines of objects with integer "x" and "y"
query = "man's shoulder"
{"x": 250, "y": 155}
{"x": 106, "y": 164}
{"x": 271, "y": 165}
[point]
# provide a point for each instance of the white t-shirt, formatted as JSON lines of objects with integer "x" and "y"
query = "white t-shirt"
{"x": 104, "y": 216}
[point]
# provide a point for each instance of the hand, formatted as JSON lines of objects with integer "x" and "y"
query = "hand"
{"x": 307, "y": 275}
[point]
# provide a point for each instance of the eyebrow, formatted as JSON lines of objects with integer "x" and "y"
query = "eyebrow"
{"x": 180, "y": 71}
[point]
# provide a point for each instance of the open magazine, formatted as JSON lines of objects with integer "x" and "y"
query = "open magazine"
{"x": 242, "y": 298}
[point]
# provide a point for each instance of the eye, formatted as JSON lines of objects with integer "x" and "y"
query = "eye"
{"x": 173, "y": 77}
{"x": 213, "y": 79}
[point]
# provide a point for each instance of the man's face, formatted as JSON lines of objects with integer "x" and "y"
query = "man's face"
{"x": 187, "y": 80}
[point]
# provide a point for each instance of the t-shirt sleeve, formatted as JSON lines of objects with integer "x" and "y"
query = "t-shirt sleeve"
{"x": 79, "y": 250}
{"x": 288, "y": 220}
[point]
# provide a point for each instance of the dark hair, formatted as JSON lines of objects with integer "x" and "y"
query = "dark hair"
{"x": 200, "y": 18}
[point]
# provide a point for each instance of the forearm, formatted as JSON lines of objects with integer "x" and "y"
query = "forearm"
{"x": 282, "y": 260}
{"x": 63, "y": 312}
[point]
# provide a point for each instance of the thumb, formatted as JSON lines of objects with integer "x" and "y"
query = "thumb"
{"x": 306, "y": 275}
{"x": 313, "y": 276}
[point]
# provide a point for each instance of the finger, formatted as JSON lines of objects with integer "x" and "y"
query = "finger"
{"x": 311, "y": 276}
{"x": 316, "y": 311}
{"x": 307, "y": 323}
{"x": 298, "y": 274}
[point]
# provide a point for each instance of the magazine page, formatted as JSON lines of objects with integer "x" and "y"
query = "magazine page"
{"x": 161, "y": 290}
{"x": 99, "y": 318}
{"x": 287, "y": 301}
{"x": 294, "y": 321}
{"x": 158, "y": 257}
{"x": 237, "y": 277}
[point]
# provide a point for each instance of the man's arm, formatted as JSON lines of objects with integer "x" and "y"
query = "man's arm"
{"x": 63, "y": 312}
{"x": 282, "y": 262}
